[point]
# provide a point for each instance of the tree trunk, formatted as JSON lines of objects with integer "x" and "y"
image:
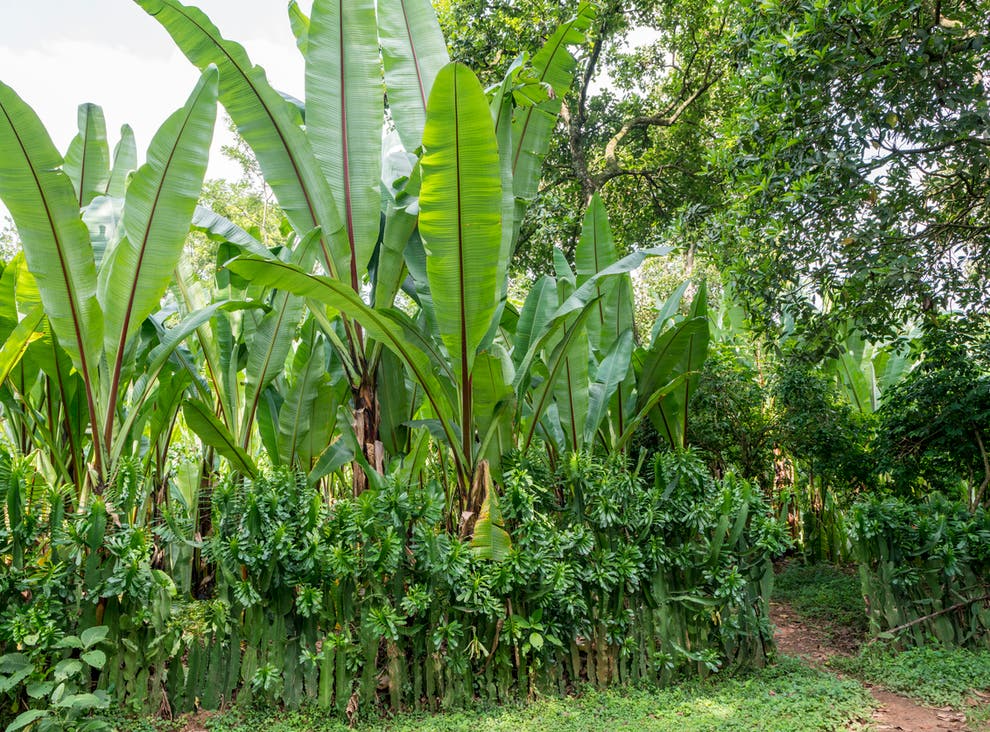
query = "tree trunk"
{"x": 367, "y": 425}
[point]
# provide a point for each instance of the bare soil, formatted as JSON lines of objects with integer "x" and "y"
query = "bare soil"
{"x": 819, "y": 645}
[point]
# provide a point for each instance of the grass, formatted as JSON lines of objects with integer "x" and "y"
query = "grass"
{"x": 788, "y": 697}
{"x": 823, "y": 593}
{"x": 935, "y": 675}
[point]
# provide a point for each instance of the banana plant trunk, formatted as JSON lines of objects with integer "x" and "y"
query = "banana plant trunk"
{"x": 367, "y": 426}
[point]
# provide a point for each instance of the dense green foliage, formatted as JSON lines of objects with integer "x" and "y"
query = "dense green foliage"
{"x": 398, "y": 422}
{"x": 860, "y": 152}
{"x": 933, "y": 422}
{"x": 367, "y": 601}
{"x": 924, "y": 569}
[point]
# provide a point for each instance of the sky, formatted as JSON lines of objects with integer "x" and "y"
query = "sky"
{"x": 57, "y": 54}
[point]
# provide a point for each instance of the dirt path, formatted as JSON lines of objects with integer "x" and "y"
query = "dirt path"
{"x": 818, "y": 646}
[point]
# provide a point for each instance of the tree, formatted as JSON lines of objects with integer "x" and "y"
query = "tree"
{"x": 637, "y": 120}
{"x": 730, "y": 421}
{"x": 933, "y": 424}
{"x": 859, "y": 162}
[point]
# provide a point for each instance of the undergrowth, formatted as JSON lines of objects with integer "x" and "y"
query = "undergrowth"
{"x": 938, "y": 676}
{"x": 823, "y": 592}
{"x": 788, "y": 697}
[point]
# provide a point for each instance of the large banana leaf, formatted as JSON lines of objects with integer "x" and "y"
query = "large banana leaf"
{"x": 668, "y": 310}
{"x": 296, "y": 415}
{"x": 158, "y": 357}
{"x": 299, "y": 22}
{"x": 45, "y": 209}
{"x": 87, "y": 161}
{"x": 8, "y": 294}
{"x": 595, "y": 252}
{"x": 158, "y": 207}
{"x": 266, "y": 121}
{"x": 102, "y": 217}
{"x": 268, "y": 350}
{"x": 124, "y": 161}
{"x": 570, "y": 389}
{"x": 460, "y": 221}
{"x": 490, "y": 540}
{"x": 271, "y": 341}
{"x": 212, "y": 432}
{"x": 610, "y": 375}
{"x": 587, "y": 290}
{"x": 573, "y": 332}
{"x": 397, "y": 401}
{"x": 541, "y": 303}
{"x": 554, "y": 66}
{"x": 414, "y": 51}
{"x": 345, "y": 114}
{"x": 494, "y": 402}
{"x": 220, "y": 229}
{"x": 18, "y": 340}
{"x": 674, "y": 408}
{"x": 583, "y": 298}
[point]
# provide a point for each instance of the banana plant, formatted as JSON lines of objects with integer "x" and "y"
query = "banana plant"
{"x": 96, "y": 307}
{"x": 601, "y": 386}
{"x": 863, "y": 370}
{"x": 372, "y": 213}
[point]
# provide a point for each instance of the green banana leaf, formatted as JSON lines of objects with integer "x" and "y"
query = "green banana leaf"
{"x": 45, "y": 209}
{"x": 541, "y": 303}
{"x": 379, "y": 325}
{"x": 124, "y": 161}
{"x": 570, "y": 389}
{"x": 531, "y": 129}
{"x": 413, "y": 51}
{"x": 87, "y": 161}
{"x": 490, "y": 540}
{"x": 267, "y": 122}
{"x": 459, "y": 218}
{"x": 102, "y": 218}
{"x": 201, "y": 420}
{"x": 158, "y": 207}
{"x": 594, "y": 253}
{"x": 610, "y": 375}
{"x": 345, "y": 114}
{"x": 299, "y": 23}
{"x": 675, "y": 408}
{"x": 17, "y": 341}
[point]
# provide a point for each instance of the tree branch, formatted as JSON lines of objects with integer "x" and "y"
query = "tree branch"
{"x": 658, "y": 120}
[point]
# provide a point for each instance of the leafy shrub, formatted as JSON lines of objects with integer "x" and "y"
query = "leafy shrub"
{"x": 933, "y": 423}
{"x": 374, "y": 600}
{"x": 729, "y": 422}
{"x": 54, "y": 682}
{"x": 925, "y": 569}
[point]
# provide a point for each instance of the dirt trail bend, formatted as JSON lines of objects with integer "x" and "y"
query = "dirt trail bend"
{"x": 817, "y": 646}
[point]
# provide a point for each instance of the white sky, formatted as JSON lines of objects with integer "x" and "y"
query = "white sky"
{"x": 59, "y": 53}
